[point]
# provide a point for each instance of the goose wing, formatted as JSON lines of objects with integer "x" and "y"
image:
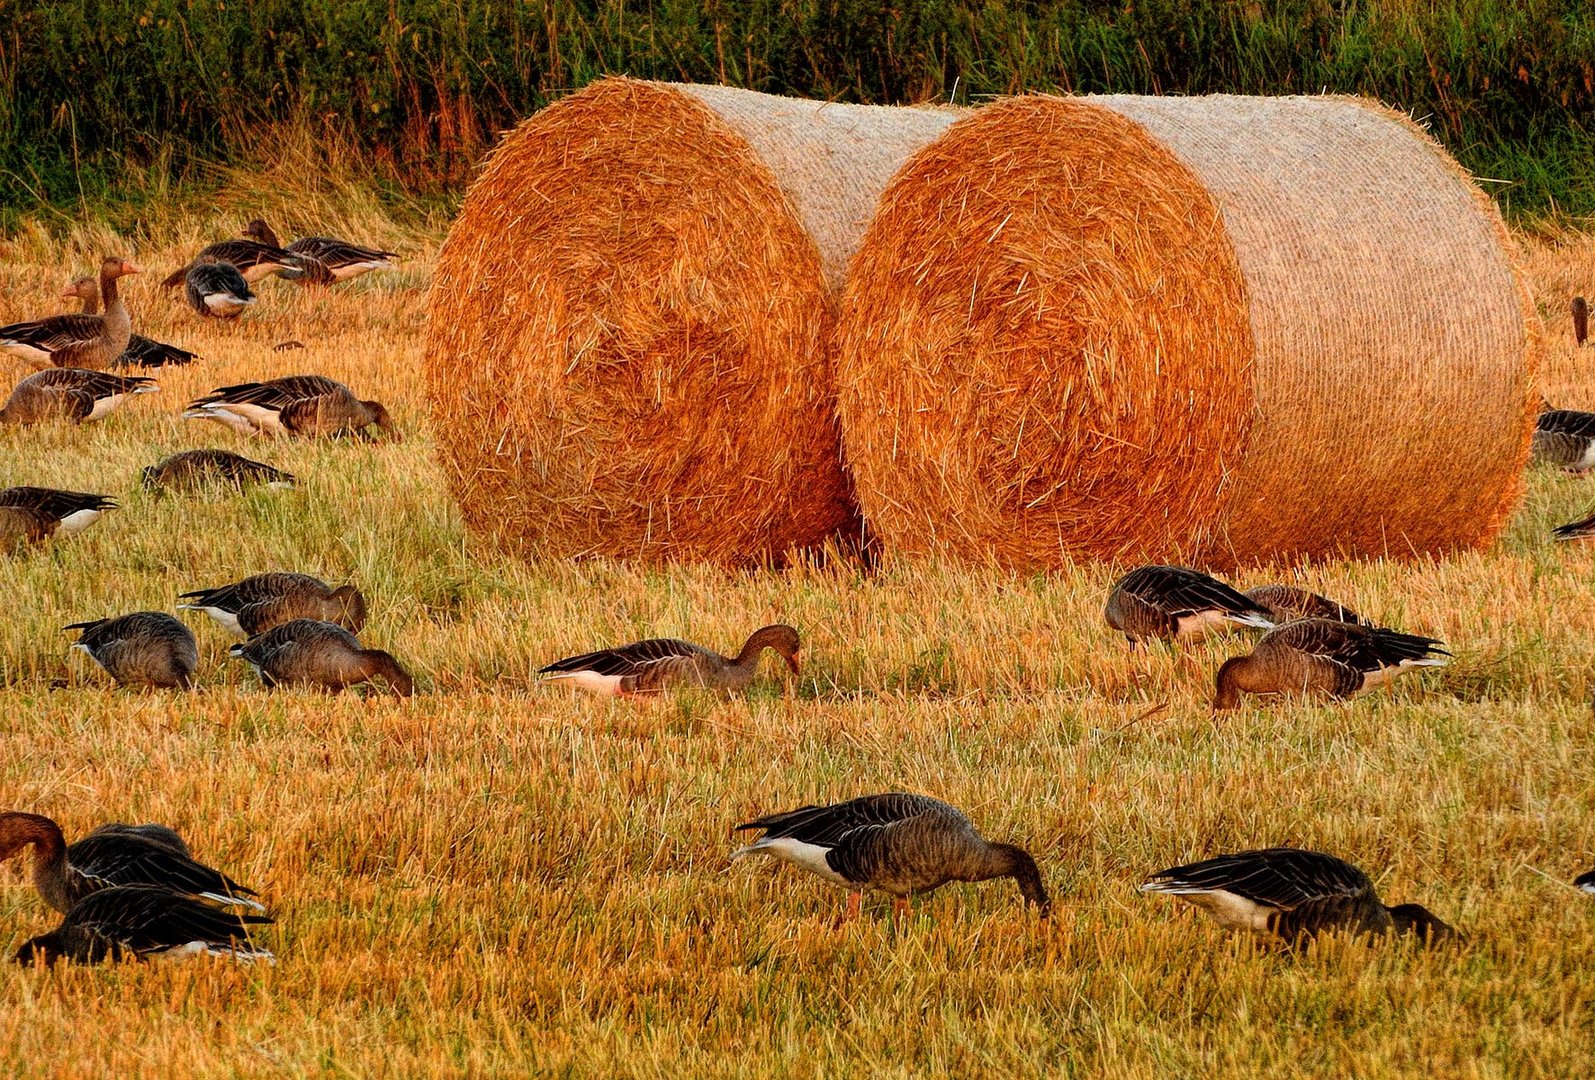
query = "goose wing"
{"x": 1580, "y": 425}
{"x": 1362, "y": 648}
{"x": 148, "y": 919}
{"x": 1178, "y": 590}
{"x": 235, "y": 597}
{"x": 1284, "y": 878}
{"x": 334, "y": 253}
{"x": 276, "y": 394}
{"x": 131, "y": 858}
{"x": 629, "y": 660}
{"x": 54, "y": 333}
{"x": 54, "y": 503}
{"x": 831, "y": 825}
{"x": 155, "y": 834}
{"x": 96, "y": 384}
{"x": 146, "y": 352}
{"x": 1287, "y": 602}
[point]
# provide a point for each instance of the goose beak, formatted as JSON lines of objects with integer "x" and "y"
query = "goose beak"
{"x": 131, "y": 267}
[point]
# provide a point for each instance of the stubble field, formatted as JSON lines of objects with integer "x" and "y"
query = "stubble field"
{"x": 497, "y": 877}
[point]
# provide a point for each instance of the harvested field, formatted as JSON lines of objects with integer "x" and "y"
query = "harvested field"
{"x": 501, "y": 878}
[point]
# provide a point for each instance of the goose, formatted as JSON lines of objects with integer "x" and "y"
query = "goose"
{"x": 1175, "y": 603}
{"x": 1288, "y": 894}
{"x": 1324, "y": 656}
{"x": 73, "y": 394}
{"x": 216, "y": 290}
{"x": 1580, "y": 321}
{"x": 1286, "y": 602}
{"x": 300, "y": 405}
{"x": 325, "y": 259}
{"x": 144, "y": 649}
{"x": 1565, "y": 437}
{"x": 900, "y": 844}
{"x": 323, "y": 655}
{"x": 195, "y": 469}
{"x": 1586, "y": 882}
{"x": 1582, "y": 529}
{"x": 252, "y": 259}
{"x": 145, "y": 922}
{"x": 141, "y": 351}
{"x": 664, "y": 663}
{"x": 69, "y": 512}
{"x": 79, "y": 341}
{"x": 113, "y": 855}
{"x": 265, "y": 601}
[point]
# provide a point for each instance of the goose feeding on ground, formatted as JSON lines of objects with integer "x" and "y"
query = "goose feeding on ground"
{"x": 1176, "y": 603}
{"x": 252, "y": 260}
{"x": 113, "y": 855}
{"x": 1288, "y": 894}
{"x": 265, "y": 601}
{"x": 901, "y": 844}
{"x": 1287, "y": 602}
{"x": 1324, "y": 656}
{"x": 326, "y": 259}
{"x": 320, "y": 655}
{"x": 67, "y": 512}
{"x": 77, "y": 395}
{"x": 144, "y": 649}
{"x": 148, "y": 923}
{"x": 216, "y": 290}
{"x": 305, "y": 406}
{"x": 192, "y": 470}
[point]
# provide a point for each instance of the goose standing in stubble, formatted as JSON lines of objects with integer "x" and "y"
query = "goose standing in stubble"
{"x": 69, "y": 512}
{"x": 194, "y": 470}
{"x": 658, "y": 664}
{"x": 147, "y": 923}
{"x": 92, "y": 342}
{"x": 265, "y": 601}
{"x": 304, "y": 406}
{"x": 325, "y": 260}
{"x": 144, "y": 649}
{"x": 322, "y": 656}
{"x": 252, "y": 260}
{"x": 1288, "y": 895}
{"x": 1324, "y": 657}
{"x": 73, "y": 395}
{"x": 216, "y": 290}
{"x": 141, "y": 351}
{"x": 1178, "y": 604}
{"x": 901, "y": 844}
{"x": 113, "y": 855}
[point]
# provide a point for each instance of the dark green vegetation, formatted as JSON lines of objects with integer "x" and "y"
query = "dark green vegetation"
{"x": 90, "y": 88}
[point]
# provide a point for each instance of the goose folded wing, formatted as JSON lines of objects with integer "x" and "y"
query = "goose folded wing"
{"x": 1568, "y": 422}
{"x": 628, "y": 660}
{"x": 148, "y": 919}
{"x": 1279, "y": 877}
{"x": 337, "y": 253}
{"x": 1387, "y": 648}
{"x": 1183, "y": 592}
{"x": 55, "y": 333}
{"x": 55, "y": 503}
{"x": 123, "y": 859}
{"x": 826, "y": 826}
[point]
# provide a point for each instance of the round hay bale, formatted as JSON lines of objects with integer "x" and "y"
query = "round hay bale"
{"x": 630, "y": 321}
{"x": 1215, "y": 329}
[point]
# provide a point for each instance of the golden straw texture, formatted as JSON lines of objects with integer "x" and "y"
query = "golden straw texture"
{"x": 1341, "y": 366}
{"x": 627, "y": 352}
{"x": 1044, "y": 348}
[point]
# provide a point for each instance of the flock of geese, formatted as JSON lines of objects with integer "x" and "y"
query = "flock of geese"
{"x": 136, "y": 890}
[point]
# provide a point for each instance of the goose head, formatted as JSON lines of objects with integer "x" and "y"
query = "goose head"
{"x": 259, "y": 231}
{"x": 381, "y": 665}
{"x": 1015, "y": 862}
{"x": 779, "y": 637}
{"x": 349, "y": 607}
{"x": 82, "y": 288}
{"x": 1234, "y": 676}
{"x": 1419, "y": 920}
{"x": 383, "y": 421}
{"x": 114, "y": 266}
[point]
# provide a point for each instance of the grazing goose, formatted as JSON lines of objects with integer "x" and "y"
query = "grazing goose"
{"x": 325, "y": 259}
{"x": 141, "y": 351}
{"x": 323, "y": 655}
{"x": 1580, "y": 321}
{"x": 146, "y": 648}
{"x": 1174, "y": 603}
{"x": 69, "y": 511}
{"x": 192, "y": 470}
{"x": 1289, "y": 894}
{"x": 145, "y": 922}
{"x": 77, "y": 341}
{"x": 1586, "y": 882}
{"x": 1286, "y": 602}
{"x": 306, "y": 406}
{"x": 665, "y": 663}
{"x": 113, "y": 855}
{"x": 1324, "y": 656}
{"x": 1565, "y": 437}
{"x": 74, "y": 394}
{"x": 216, "y": 290}
{"x": 901, "y": 844}
{"x": 252, "y": 259}
{"x": 265, "y": 601}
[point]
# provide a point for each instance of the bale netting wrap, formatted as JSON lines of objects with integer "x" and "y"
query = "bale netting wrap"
{"x": 1218, "y": 329}
{"x": 631, "y": 317}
